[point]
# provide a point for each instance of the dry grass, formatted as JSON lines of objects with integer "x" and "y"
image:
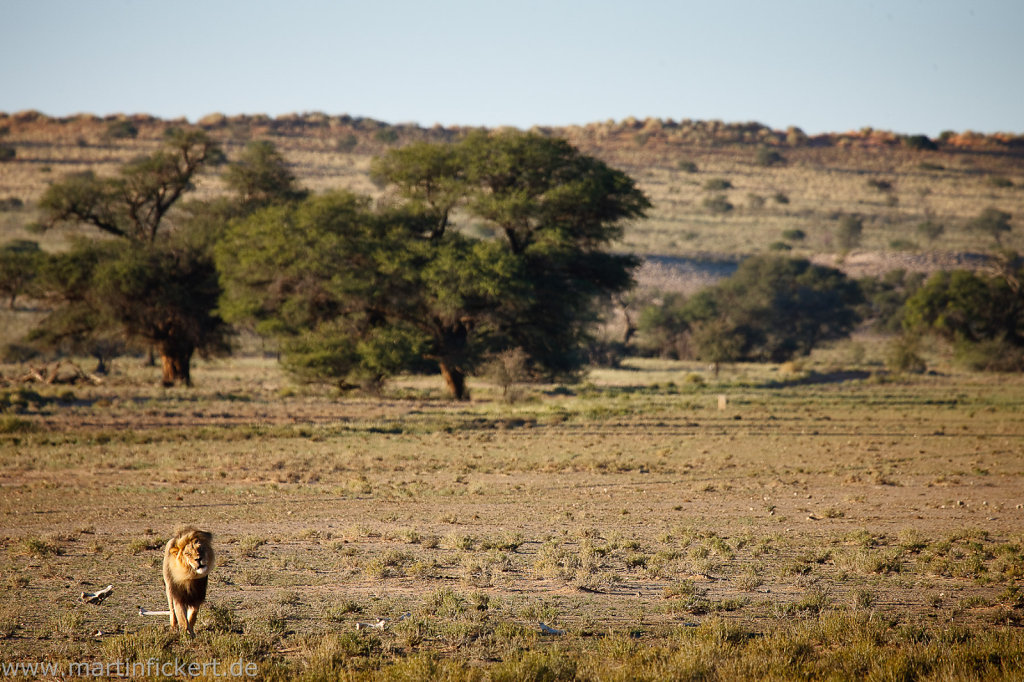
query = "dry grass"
{"x": 818, "y": 183}
{"x": 813, "y": 524}
{"x": 856, "y": 523}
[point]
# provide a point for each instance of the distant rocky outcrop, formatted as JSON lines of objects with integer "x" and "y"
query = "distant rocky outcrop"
{"x": 647, "y": 133}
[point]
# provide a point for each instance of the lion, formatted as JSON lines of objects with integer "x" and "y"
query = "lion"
{"x": 188, "y": 558}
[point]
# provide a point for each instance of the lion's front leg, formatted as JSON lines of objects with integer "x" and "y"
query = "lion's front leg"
{"x": 190, "y": 619}
{"x": 170, "y": 606}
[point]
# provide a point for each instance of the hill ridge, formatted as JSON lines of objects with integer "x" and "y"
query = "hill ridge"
{"x": 708, "y": 132}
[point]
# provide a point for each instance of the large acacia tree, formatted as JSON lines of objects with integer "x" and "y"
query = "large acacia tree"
{"x": 150, "y": 286}
{"x": 494, "y": 243}
{"x": 557, "y": 211}
{"x": 356, "y": 295}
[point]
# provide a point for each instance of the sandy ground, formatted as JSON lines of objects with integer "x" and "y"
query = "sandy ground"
{"x": 628, "y": 509}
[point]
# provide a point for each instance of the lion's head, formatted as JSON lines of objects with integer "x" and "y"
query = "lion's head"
{"x": 194, "y": 550}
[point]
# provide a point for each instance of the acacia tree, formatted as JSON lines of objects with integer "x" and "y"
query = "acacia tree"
{"x": 133, "y": 204}
{"x": 151, "y": 286}
{"x": 789, "y": 305}
{"x": 359, "y": 293}
{"x": 556, "y": 211}
{"x": 983, "y": 316}
{"x": 430, "y": 182}
{"x": 771, "y": 309}
{"x": 261, "y": 177}
{"x": 167, "y": 298}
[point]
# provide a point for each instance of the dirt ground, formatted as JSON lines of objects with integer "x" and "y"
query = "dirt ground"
{"x": 626, "y": 504}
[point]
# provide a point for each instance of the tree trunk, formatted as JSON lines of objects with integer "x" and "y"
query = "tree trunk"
{"x": 630, "y": 324}
{"x": 176, "y": 363}
{"x": 455, "y": 379}
{"x": 452, "y": 340}
{"x": 630, "y": 331}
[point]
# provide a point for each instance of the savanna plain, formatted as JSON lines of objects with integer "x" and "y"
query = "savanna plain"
{"x": 654, "y": 521}
{"x": 823, "y": 519}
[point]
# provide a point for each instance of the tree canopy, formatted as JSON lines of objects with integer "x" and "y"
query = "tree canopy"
{"x": 968, "y": 306}
{"x": 771, "y": 309}
{"x": 983, "y": 316}
{"x": 261, "y": 177}
{"x": 359, "y": 291}
{"x": 79, "y": 322}
{"x": 167, "y": 298}
{"x": 132, "y": 204}
{"x": 160, "y": 291}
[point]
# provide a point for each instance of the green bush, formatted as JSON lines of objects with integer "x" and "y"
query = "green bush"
{"x": 991, "y": 221}
{"x": 7, "y": 152}
{"x": 919, "y": 143}
{"x": 886, "y": 296}
{"x": 772, "y": 308}
{"x": 20, "y": 263}
{"x": 717, "y": 185}
{"x": 931, "y": 230}
{"x": 990, "y": 355}
{"x": 794, "y": 235}
{"x": 766, "y": 156}
{"x": 849, "y": 232}
{"x": 386, "y": 136}
{"x": 664, "y": 328}
{"x": 120, "y": 130}
{"x": 718, "y": 204}
{"x": 903, "y": 355}
{"x": 347, "y": 143}
{"x": 982, "y": 316}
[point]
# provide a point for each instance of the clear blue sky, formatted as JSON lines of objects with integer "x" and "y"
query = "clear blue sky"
{"x": 910, "y": 66}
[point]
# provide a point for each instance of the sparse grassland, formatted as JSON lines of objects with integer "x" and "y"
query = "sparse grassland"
{"x": 817, "y": 519}
{"x": 813, "y": 527}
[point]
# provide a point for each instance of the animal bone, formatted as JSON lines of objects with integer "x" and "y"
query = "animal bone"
{"x": 99, "y": 596}
{"x": 147, "y": 612}
{"x": 381, "y": 623}
{"x": 548, "y": 630}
